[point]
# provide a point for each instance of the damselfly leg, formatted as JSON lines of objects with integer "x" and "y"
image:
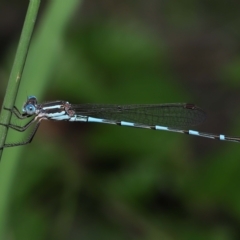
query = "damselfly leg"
{"x": 27, "y": 141}
{"x": 18, "y": 128}
{"x": 17, "y": 113}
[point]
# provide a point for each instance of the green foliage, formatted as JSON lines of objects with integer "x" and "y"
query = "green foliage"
{"x": 93, "y": 181}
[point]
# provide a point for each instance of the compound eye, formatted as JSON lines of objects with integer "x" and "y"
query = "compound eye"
{"x": 29, "y": 109}
{"x": 31, "y": 97}
{"x": 31, "y": 100}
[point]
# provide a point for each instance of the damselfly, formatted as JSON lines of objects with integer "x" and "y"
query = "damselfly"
{"x": 173, "y": 117}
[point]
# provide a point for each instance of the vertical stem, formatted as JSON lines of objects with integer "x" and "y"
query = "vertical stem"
{"x": 9, "y": 101}
{"x": 17, "y": 69}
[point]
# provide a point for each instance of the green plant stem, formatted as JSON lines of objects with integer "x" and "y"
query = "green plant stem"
{"x": 17, "y": 69}
{"x": 41, "y": 60}
{"x": 9, "y": 101}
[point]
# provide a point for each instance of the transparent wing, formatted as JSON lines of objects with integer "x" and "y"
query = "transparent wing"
{"x": 171, "y": 115}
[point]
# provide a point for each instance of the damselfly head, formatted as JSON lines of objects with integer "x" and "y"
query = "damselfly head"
{"x": 30, "y": 106}
{"x": 29, "y": 109}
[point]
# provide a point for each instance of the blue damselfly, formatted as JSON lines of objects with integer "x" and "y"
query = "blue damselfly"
{"x": 173, "y": 117}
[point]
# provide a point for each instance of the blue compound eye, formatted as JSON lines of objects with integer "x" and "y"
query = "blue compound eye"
{"x": 29, "y": 109}
{"x": 31, "y": 98}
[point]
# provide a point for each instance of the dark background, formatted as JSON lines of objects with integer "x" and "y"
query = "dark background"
{"x": 93, "y": 181}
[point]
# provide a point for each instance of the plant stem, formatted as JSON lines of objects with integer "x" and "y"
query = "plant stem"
{"x": 46, "y": 48}
{"x": 17, "y": 69}
{"x": 9, "y": 101}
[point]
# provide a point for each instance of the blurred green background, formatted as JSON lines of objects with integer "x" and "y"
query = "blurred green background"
{"x": 93, "y": 181}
